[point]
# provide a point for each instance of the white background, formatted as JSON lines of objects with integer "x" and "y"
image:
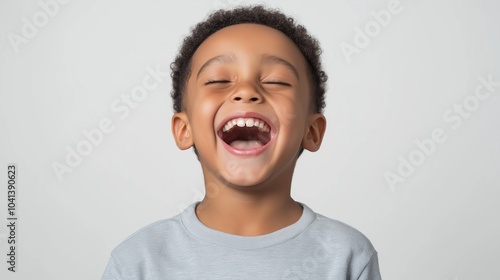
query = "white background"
{"x": 442, "y": 222}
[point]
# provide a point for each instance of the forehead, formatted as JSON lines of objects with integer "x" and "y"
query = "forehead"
{"x": 249, "y": 40}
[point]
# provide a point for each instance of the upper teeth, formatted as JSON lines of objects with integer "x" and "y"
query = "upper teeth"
{"x": 248, "y": 122}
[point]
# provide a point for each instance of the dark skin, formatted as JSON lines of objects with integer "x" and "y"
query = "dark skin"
{"x": 239, "y": 69}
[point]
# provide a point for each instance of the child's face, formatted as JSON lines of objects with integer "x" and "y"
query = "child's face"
{"x": 247, "y": 106}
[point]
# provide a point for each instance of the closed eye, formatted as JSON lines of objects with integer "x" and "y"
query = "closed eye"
{"x": 277, "y": 83}
{"x": 217, "y": 82}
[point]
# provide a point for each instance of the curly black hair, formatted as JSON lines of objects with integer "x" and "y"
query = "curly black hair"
{"x": 307, "y": 44}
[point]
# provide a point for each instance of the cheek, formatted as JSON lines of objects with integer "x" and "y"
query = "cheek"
{"x": 203, "y": 111}
{"x": 207, "y": 107}
{"x": 200, "y": 103}
{"x": 291, "y": 109}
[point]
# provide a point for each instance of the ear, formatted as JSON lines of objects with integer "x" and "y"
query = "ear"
{"x": 315, "y": 131}
{"x": 181, "y": 130}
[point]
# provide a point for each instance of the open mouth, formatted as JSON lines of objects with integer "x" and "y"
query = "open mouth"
{"x": 245, "y": 133}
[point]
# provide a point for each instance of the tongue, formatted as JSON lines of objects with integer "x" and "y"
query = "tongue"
{"x": 246, "y": 145}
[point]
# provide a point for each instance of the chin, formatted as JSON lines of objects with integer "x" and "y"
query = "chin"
{"x": 244, "y": 177}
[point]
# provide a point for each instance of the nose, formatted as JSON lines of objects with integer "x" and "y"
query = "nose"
{"x": 247, "y": 94}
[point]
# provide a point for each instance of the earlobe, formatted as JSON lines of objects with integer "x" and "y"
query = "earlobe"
{"x": 314, "y": 132}
{"x": 181, "y": 130}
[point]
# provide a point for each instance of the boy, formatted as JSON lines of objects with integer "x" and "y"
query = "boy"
{"x": 248, "y": 92}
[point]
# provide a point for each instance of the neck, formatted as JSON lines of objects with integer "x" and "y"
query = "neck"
{"x": 252, "y": 211}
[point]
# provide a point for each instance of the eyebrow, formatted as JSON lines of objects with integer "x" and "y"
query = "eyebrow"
{"x": 272, "y": 59}
{"x": 266, "y": 59}
{"x": 217, "y": 59}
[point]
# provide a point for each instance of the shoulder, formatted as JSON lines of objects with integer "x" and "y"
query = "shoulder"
{"x": 134, "y": 256}
{"x": 334, "y": 235}
{"x": 340, "y": 229}
{"x": 340, "y": 249}
{"x": 148, "y": 238}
